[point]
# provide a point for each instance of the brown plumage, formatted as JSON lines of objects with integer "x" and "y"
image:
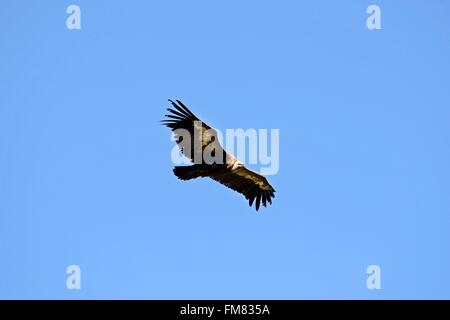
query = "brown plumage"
{"x": 194, "y": 137}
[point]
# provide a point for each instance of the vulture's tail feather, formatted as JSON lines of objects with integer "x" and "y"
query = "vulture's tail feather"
{"x": 186, "y": 172}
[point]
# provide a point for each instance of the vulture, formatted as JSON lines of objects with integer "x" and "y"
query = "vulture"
{"x": 193, "y": 137}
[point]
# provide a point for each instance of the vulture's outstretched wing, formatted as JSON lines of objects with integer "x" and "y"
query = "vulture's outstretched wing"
{"x": 250, "y": 183}
{"x": 182, "y": 121}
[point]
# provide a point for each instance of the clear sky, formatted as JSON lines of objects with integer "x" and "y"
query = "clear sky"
{"x": 85, "y": 168}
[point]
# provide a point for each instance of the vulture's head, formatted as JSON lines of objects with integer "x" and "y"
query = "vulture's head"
{"x": 238, "y": 164}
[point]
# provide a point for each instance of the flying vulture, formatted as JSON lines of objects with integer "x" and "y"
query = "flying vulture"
{"x": 193, "y": 137}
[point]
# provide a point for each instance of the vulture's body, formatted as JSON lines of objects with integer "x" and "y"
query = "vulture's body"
{"x": 194, "y": 137}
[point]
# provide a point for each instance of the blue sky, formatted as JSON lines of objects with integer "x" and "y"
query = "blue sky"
{"x": 85, "y": 168}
